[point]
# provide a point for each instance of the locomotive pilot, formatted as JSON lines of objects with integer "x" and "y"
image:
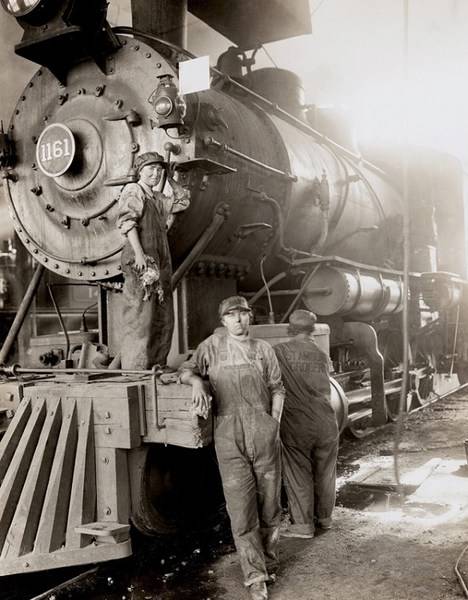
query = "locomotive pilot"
{"x": 309, "y": 431}
{"x": 246, "y": 380}
{"x": 144, "y": 218}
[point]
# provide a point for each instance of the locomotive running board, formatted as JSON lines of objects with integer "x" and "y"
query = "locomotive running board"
{"x": 49, "y": 499}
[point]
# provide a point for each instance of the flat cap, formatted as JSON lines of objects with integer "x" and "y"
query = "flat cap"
{"x": 302, "y": 320}
{"x": 233, "y": 303}
{"x": 147, "y": 158}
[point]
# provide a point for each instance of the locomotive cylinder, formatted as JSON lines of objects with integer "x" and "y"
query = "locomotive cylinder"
{"x": 339, "y": 291}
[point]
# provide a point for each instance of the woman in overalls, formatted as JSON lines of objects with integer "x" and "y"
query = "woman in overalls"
{"x": 144, "y": 218}
{"x": 246, "y": 381}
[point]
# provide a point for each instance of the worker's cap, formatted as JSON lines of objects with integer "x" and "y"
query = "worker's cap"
{"x": 147, "y": 158}
{"x": 233, "y": 303}
{"x": 302, "y": 320}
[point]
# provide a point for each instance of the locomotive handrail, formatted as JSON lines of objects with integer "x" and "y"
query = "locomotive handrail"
{"x": 338, "y": 260}
{"x": 271, "y": 105}
{"x": 15, "y": 370}
{"x": 211, "y": 141}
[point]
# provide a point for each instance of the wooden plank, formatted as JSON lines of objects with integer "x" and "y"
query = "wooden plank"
{"x": 13, "y": 435}
{"x": 113, "y": 436}
{"x": 139, "y": 391}
{"x": 382, "y": 479}
{"x": 66, "y": 558}
{"x": 183, "y": 417}
{"x": 114, "y": 389}
{"x": 22, "y": 533}
{"x": 112, "y": 485}
{"x": 83, "y": 492}
{"x": 176, "y": 413}
{"x": 110, "y": 410}
{"x": 117, "y": 421}
{"x": 51, "y": 531}
{"x": 12, "y": 484}
{"x": 194, "y": 424}
{"x": 180, "y": 433}
{"x": 174, "y": 390}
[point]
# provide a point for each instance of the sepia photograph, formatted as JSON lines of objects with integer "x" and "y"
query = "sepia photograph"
{"x": 233, "y": 299}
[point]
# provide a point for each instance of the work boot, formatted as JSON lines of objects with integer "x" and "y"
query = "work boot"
{"x": 258, "y": 591}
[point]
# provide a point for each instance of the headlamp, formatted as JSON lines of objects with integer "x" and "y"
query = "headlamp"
{"x": 60, "y": 33}
{"x": 19, "y": 8}
{"x": 169, "y": 106}
{"x": 163, "y": 106}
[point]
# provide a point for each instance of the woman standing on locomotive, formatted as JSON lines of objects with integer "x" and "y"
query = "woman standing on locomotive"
{"x": 144, "y": 218}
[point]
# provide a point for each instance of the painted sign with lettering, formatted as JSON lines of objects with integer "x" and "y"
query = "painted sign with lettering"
{"x": 55, "y": 150}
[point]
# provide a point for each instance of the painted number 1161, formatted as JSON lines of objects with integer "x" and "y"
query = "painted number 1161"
{"x": 54, "y": 150}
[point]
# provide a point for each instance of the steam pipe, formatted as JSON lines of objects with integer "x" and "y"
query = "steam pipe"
{"x": 292, "y": 306}
{"x": 263, "y": 289}
{"x": 221, "y": 214}
{"x": 62, "y": 324}
{"x": 22, "y": 312}
{"x": 318, "y": 246}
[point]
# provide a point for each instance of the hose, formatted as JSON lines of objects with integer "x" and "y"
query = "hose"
{"x": 271, "y": 314}
{"x": 458, "y": 573}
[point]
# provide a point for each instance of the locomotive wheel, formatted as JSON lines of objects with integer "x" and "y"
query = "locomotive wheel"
{"x": 360, "y": 425}
{"x": 393, "y": 402}
{"x": 339, "y": 403}
{"x": 174, "y": 489}
{"x": 462, "y": 372}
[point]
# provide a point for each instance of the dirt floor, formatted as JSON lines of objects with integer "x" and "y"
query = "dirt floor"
{"x": 380, "y": 547}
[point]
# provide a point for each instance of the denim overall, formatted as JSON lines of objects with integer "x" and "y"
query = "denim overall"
{"x": 309, "y": 433}
{"x": 147, "y": 325}
{"x": 248, "y": 449}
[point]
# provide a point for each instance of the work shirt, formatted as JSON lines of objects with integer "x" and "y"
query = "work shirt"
{"x": 222, "y": 349}
{"x": 134, "y": 197}
{"x": 307, "y": 408}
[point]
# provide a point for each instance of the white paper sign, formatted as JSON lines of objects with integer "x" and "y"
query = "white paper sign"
{"x": 194, "y": 75}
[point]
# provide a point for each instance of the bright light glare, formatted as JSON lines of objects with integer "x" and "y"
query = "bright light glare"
{"x": 431, "y": 110}
{"x": 441, "y": 498}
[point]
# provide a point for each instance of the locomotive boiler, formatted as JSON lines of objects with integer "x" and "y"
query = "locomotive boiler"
{"x": 279, "y": 213}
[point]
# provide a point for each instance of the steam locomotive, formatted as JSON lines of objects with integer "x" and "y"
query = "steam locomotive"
{"x": 279, "y": 213}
